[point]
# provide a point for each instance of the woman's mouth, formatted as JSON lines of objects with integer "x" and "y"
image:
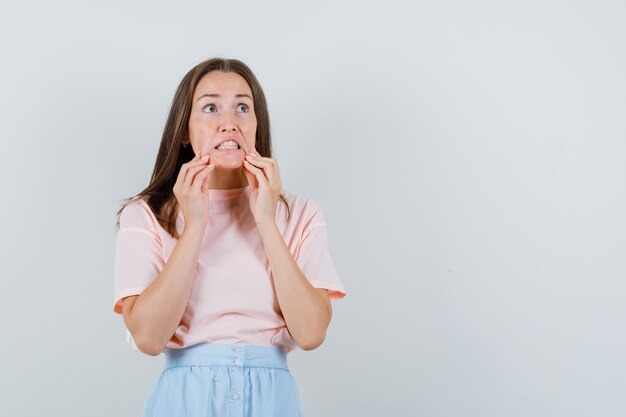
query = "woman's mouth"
{"x": 228, "y": 145}
{"x": 227, "y": 150}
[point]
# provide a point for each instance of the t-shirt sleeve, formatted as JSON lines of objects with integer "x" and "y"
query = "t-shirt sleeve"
{"x": 314, "y": 257}
{"x": 138, "y": 252}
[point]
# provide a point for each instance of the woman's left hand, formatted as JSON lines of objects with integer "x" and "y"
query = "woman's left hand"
{"x": 264, "y": 178}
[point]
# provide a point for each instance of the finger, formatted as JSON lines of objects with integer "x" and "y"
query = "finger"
{"x": 193, "y": 163}
{"x": 183, "y": 168}
{"x": 258, "y": 173}
{"x": 257, "y": 164}
{"x": 199, "y": 179}
{"x": 252, "y": 181}
{"x": 191, "y": 173}
{"x": 205, "y": 184}
{"x": 254, "y": 153}
{"x": 257, "y": 157}
{"x": 202, "y": 160}
{"x": 268, "y": 165}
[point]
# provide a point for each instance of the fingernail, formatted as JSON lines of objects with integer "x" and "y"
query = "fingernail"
{"x": 205, "y": 156}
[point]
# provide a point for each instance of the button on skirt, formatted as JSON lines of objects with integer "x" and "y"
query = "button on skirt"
{"x": 224, "y": 380}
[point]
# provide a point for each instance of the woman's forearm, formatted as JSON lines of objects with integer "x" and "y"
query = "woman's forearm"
{"x": 158, "y": 310}
{"x": 306, "y": 310}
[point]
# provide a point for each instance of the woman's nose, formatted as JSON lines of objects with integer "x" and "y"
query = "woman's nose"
{"x": 226, "y": 122}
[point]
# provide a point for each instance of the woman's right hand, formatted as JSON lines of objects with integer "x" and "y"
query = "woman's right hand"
{"x": 192, "y": 191}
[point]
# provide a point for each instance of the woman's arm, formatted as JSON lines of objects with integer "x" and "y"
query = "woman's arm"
{"x": 307, "y": 310}
{"x": 155, "y": 314}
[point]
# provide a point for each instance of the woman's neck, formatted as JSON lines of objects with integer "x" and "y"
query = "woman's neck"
{"x": 226, "y": 178}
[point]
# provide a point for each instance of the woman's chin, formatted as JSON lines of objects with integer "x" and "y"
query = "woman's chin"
{"x": 227, "y": 158}
{"x": 227, "y": 163}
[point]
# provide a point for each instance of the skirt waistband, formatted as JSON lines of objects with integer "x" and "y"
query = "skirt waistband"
{"x": 235, "y": 354}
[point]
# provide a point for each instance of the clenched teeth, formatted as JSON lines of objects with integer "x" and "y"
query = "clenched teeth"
{"x": 229, "y": 144}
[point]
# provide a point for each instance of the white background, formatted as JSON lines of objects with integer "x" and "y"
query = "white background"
{"x": 468, "y": 156}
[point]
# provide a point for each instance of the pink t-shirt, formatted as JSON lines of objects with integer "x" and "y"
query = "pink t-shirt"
{"x": 233, "y": 298}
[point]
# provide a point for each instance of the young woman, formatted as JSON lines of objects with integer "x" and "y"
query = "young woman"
{"x": 215, "y": 264}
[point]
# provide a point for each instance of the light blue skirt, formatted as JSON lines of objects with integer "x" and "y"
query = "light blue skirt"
{"x": 225, "y": 380}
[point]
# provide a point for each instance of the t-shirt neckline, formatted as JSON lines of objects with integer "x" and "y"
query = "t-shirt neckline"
{"x": 223, "y": 200}
{"x": 228, "y": 193}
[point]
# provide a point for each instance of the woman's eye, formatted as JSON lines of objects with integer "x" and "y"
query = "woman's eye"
{"x": 207, "y": 106}
{"x": 245, "y": 107}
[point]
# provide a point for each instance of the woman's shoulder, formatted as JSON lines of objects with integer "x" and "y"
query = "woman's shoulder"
{"x": 302, "y": 205}
{"x": 137, "y": 205}
{"x": 137, "y": 213}
{"x": 303, "y": 201}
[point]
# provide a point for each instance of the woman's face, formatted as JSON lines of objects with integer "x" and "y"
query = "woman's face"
{"x": 222, "y": 109}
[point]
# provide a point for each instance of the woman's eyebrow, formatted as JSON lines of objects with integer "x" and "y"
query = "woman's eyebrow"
{"x": 217, "y": 95}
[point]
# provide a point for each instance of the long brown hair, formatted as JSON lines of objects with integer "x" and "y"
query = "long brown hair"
{"x": 172, "y": 154}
